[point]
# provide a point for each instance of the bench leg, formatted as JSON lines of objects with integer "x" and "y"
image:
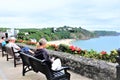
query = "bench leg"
{"x": 2, "y": 53}
{"x": 68, "y": 76}
{"x": 7, "y": 57}
{"x": 14, "y": 62}
{"x": 23, "y": 72}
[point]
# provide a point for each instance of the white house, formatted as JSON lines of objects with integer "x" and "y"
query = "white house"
{"x": 12, "y": 32}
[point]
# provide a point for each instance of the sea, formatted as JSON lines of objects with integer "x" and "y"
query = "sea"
{"x": 104, "y": 43}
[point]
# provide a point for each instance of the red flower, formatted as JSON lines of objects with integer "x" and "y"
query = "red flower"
{"x": 72, "y": 48}
{"x": 78, "y": 49}
{"x": 103, "y": 52}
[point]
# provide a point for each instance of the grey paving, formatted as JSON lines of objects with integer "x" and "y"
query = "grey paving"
{"x": 8, "y": 72}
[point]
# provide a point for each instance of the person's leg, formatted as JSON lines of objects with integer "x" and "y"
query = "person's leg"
{"x": 56, "y": 64}
{"x": 26, "y": 50}
{"x": 17, "y": 55}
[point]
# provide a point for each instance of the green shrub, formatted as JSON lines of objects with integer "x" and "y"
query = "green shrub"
{"x": 53, "y": 47}
{"x": 64, "y": 48}
{"x": 103, "y": 55}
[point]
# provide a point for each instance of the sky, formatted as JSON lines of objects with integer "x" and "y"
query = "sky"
{"x": 88, "y": 14}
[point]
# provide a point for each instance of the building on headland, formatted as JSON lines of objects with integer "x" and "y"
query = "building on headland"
{"x": 65, "y": 28}
{"x": 11, "y": 32}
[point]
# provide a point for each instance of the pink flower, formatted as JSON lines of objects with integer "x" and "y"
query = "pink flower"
{"x": 103, "y": 52}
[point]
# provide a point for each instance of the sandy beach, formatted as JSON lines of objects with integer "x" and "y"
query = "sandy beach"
{"x": 63, "y": 41}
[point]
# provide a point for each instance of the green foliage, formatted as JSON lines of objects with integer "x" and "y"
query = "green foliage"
{"x": 92, "y": 54}
{"x": 32, "y": 36}
{"x": 89, "y": 54}
{"x": 3, "y": 29}
{"x": 64, "y": 48}
{"x": 53, "y": 47}
{"x": 21, "y": 35}
{"x": 63, "y": 35}
{"x": 113, "y": 56}
{"x": 65, "y": 32}
{"x": 105, "y": 33}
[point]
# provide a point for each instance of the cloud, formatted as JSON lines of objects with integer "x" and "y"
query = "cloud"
{"x": 91, "y": 14}
{"x": 27, "y": 6}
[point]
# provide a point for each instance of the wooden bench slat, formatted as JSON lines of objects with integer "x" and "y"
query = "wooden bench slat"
{"x": 11, "y": 55}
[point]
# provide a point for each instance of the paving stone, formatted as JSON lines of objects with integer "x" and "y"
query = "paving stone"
{"x": 8, "y": 72}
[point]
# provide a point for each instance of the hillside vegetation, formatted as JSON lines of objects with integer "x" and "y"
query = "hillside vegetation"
{"x": 56, "y": 33}
{"x": 65, "y": 32}
{"x": 106, "y": 33}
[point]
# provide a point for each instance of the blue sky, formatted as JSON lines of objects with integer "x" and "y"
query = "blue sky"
{"x": 89, "y": 14}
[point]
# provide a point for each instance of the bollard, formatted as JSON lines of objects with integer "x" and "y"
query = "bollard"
{"x": 118, "y": 66}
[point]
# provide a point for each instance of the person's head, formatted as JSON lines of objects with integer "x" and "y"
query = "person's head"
{"x": 42, "y": 43}
{"x": 12, "y": 39}
{"x": 3, "y": 38}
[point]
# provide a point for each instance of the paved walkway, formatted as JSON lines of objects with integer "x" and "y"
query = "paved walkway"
{"x": 8, "y": 72}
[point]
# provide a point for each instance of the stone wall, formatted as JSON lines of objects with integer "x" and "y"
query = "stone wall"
{"x": 92, "y": 68}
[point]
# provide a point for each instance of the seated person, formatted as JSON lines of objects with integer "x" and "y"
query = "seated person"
{"x": 3, "y": 41}
{"x": 16, "y": 48}
{"x": 42, "y": 54}
{"x": 27, "y": 51}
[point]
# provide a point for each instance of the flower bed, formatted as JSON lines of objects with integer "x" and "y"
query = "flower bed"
{"x": 89, "y": 67}
{"x": 103, "y": 55}
{"x": 26, "y": 42}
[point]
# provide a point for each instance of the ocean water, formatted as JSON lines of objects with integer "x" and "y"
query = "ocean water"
{"x": 107, "y": 43}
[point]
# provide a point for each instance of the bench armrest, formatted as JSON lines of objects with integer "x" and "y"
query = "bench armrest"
{"x": 17, "y": 52}
{"x": 62, "y": 68}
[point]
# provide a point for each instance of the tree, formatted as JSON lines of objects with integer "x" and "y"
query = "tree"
{"x": 21, "y": 35}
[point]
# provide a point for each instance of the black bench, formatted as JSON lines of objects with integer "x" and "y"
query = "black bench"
{"x": 11, "y": 55}
{"x": 2, "y": 50}
{"x": 37, "y": 65}
{"x": 26, "y": 63}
